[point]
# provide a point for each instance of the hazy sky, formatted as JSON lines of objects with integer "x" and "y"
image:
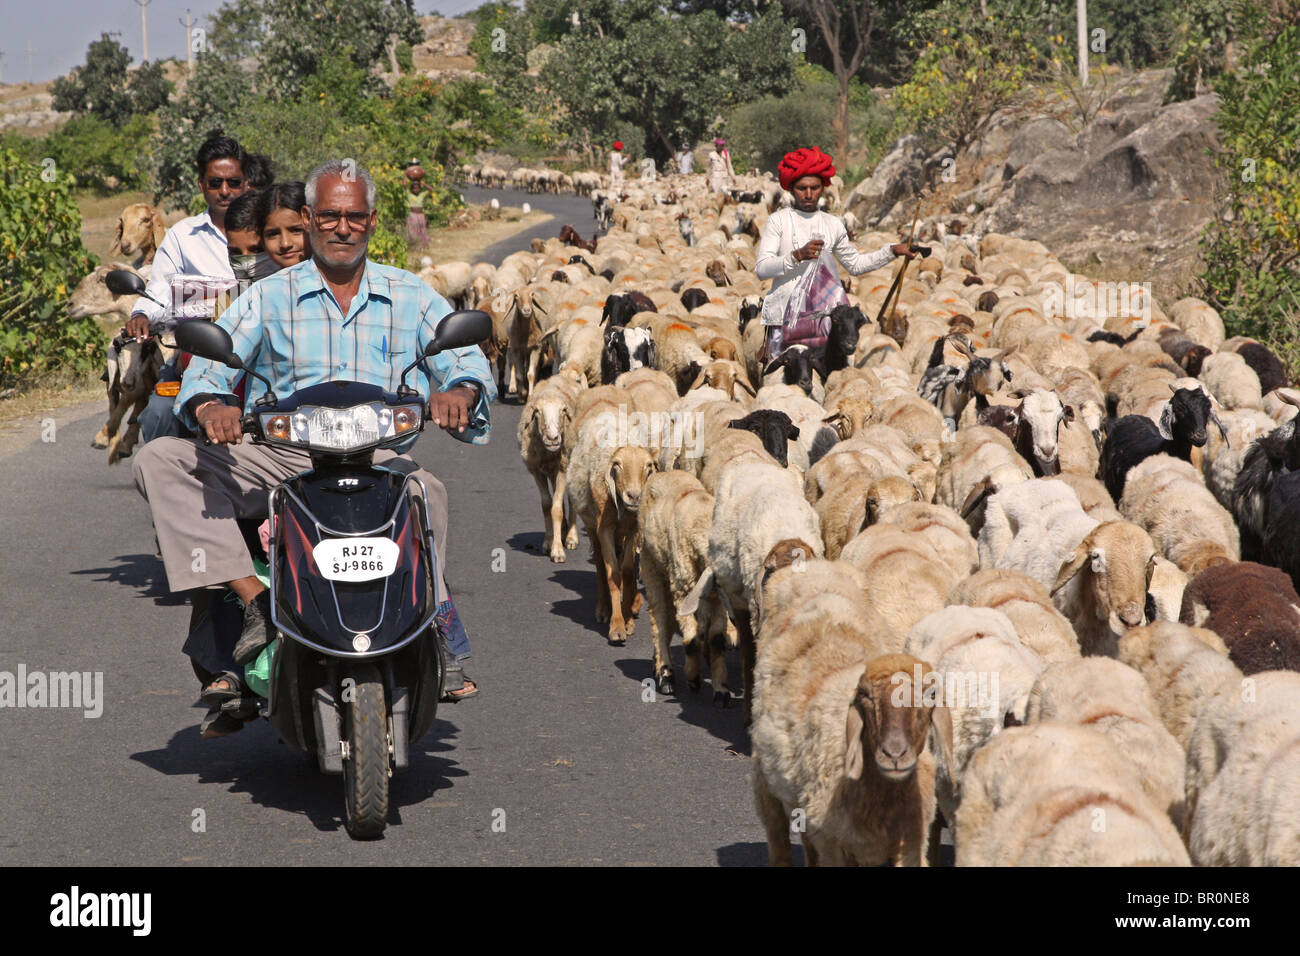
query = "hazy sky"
{"x": 59, "y": 31}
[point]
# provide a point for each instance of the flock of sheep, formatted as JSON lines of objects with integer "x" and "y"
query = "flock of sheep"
{"x": 1014, "y": 563}
{"x": 984, "y": 571}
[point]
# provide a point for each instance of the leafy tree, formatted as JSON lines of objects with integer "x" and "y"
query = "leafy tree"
{"x": 1252, "y": 246}
{"x": 964, "y": 76}
{"x": 41, "y": 260}
{"x": 101, "y": 86}
{"x": 300, "y": 37}
{"x": 215, "y": 97}
{"x": 672, "y": 76}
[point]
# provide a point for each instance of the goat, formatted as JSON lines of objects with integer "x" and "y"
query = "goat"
{"x": 569, "y": 236}
{"x": 1135, "y": 437}
{"x": 625, "y": 349}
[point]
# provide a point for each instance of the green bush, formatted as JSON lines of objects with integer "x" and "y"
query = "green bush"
{"x": 96, "y": 151}
{"x": 1252, "y": 246}
{"x": 41, "y": 260}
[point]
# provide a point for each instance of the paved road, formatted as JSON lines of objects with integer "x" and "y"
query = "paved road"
{"x": 560, "y": 744}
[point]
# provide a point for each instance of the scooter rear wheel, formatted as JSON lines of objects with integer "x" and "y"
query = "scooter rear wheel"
{"x": 365, "y": 770}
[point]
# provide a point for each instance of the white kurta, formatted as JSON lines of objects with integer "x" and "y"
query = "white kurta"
{"x": 789, "y": 229}
{"x": 616, "y": 163}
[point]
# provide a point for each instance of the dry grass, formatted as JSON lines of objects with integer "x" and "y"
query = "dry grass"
{"x": 469, "y": 243}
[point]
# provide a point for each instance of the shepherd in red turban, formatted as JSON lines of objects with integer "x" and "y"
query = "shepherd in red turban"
{"x": 805, "y": 162}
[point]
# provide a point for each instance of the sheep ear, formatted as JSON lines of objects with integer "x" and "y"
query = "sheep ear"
{"x": 776, "y": 363}
{"x": 116, "y": 248}
{"x": 742, "y": 384}
{"x": 1166, "y": 423}
{"x": 691, "y": 602}
{"x": 853, "y": 757}
{"x": 613, "y": 491}
{"x": 1069, "y": 413}
{"x": 159, "y": 228}
{"x": 976, "y": 496}
{"x": 941, "y": 724}
{"x": 1071, "y": 567}
{"x": 792, "y": 433}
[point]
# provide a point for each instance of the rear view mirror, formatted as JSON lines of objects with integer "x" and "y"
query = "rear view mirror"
{"x": 207, "y": 340}
{"x": 124, "y": 282}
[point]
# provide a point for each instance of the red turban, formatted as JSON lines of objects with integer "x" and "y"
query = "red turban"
{"x": 618, "y": 144}
{"x": 805, "y": 162}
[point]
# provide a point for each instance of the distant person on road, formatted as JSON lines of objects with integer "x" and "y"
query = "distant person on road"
{"x": 686, "y": 161}
{"x": 721, "y": 175}
{"x": 616, "y": 163}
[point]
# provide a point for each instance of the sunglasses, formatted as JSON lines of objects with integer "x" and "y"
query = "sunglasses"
{"x": 214, "y": 182}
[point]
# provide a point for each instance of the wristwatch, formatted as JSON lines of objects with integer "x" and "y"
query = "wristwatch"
{"x": 477, "y": 389}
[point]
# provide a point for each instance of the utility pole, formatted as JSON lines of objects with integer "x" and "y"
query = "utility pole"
{"x": 1083, "y": 41}
{"x": 30, "y": 53}
{"x": 189, "y": 44}
{"x": 144, "y": 28}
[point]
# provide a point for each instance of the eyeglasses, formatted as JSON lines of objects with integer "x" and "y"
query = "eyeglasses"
{"x": 329, "y": 218}
{"x": 214, "y": 182}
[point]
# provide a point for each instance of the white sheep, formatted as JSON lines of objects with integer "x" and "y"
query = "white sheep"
{"x": 1243, "y": 775}
{"x": 839, "y": 737}
{"x": 1034, "y": 796}
{"x": 1115, "y": 699}
{"x": 1166, "y": 496}
{"x": 546, "y": 417}
{"x": 984, "y": 675}
{"x": 1183, "y": 666}
{"x": 1026, "y": 603}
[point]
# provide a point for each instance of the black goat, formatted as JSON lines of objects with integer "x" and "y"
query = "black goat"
{"x": 1281, "y": 544}
{"x": 625, "y": 349}
{"x": 1183, "y": 350}
{"x": 620, "y": 307}
{"x": 798, "y": 363}
{"x": 1269, "y": 457}
{"x": 751, "y": 307}
{"x": 842, "y": 342}
{"x": 1134, "y": 438}
{"x": 580, "y": 261}
{"x": 773, "y": 428}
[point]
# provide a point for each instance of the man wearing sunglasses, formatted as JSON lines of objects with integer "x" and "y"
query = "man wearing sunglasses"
{"x": 195, "y": 246}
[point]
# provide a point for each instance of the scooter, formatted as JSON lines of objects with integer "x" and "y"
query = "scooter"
{"x": 357, "y": 666}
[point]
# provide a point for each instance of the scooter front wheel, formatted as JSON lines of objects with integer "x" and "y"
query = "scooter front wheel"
{"x": 365, "y": 767}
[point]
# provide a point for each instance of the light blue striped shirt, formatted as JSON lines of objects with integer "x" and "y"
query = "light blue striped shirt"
{"x": 290, "y": 328}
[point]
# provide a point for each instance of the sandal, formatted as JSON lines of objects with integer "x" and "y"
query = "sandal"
{"x": 452, "y": 693}
{"x": 216, "y": 724}
{"x": 215, "y": 696}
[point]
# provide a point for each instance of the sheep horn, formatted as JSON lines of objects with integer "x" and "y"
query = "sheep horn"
{"x": 1223, "y": 432}
{"x": 976, "y": 496}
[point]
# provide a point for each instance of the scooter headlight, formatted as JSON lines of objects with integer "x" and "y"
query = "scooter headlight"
{"x": 342, "y": 429}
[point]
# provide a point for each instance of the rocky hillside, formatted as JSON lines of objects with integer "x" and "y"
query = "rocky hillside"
{"x": 1124, "y": 194}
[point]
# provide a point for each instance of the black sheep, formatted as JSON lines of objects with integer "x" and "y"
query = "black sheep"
{"x": 1269, "y": 456}
{"x": 1266, "y": 366}
{"x": 773, "y": 428}
{"x": 1281, "y": 544}
{"x": 750, "y": 308}
{"x": 1135, "y": 438}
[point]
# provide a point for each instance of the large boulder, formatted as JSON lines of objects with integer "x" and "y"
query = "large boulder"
{"x": 896, "y": 177}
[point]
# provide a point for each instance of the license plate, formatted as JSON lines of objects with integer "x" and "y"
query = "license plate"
{"x": 356, "y": 559}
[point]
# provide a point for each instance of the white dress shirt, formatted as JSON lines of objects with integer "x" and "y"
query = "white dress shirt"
{"x": 192, "y": 247}
{"x": 789, "y": 229}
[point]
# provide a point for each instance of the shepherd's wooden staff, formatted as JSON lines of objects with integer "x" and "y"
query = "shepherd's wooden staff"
{"x": 891, "y": 295}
